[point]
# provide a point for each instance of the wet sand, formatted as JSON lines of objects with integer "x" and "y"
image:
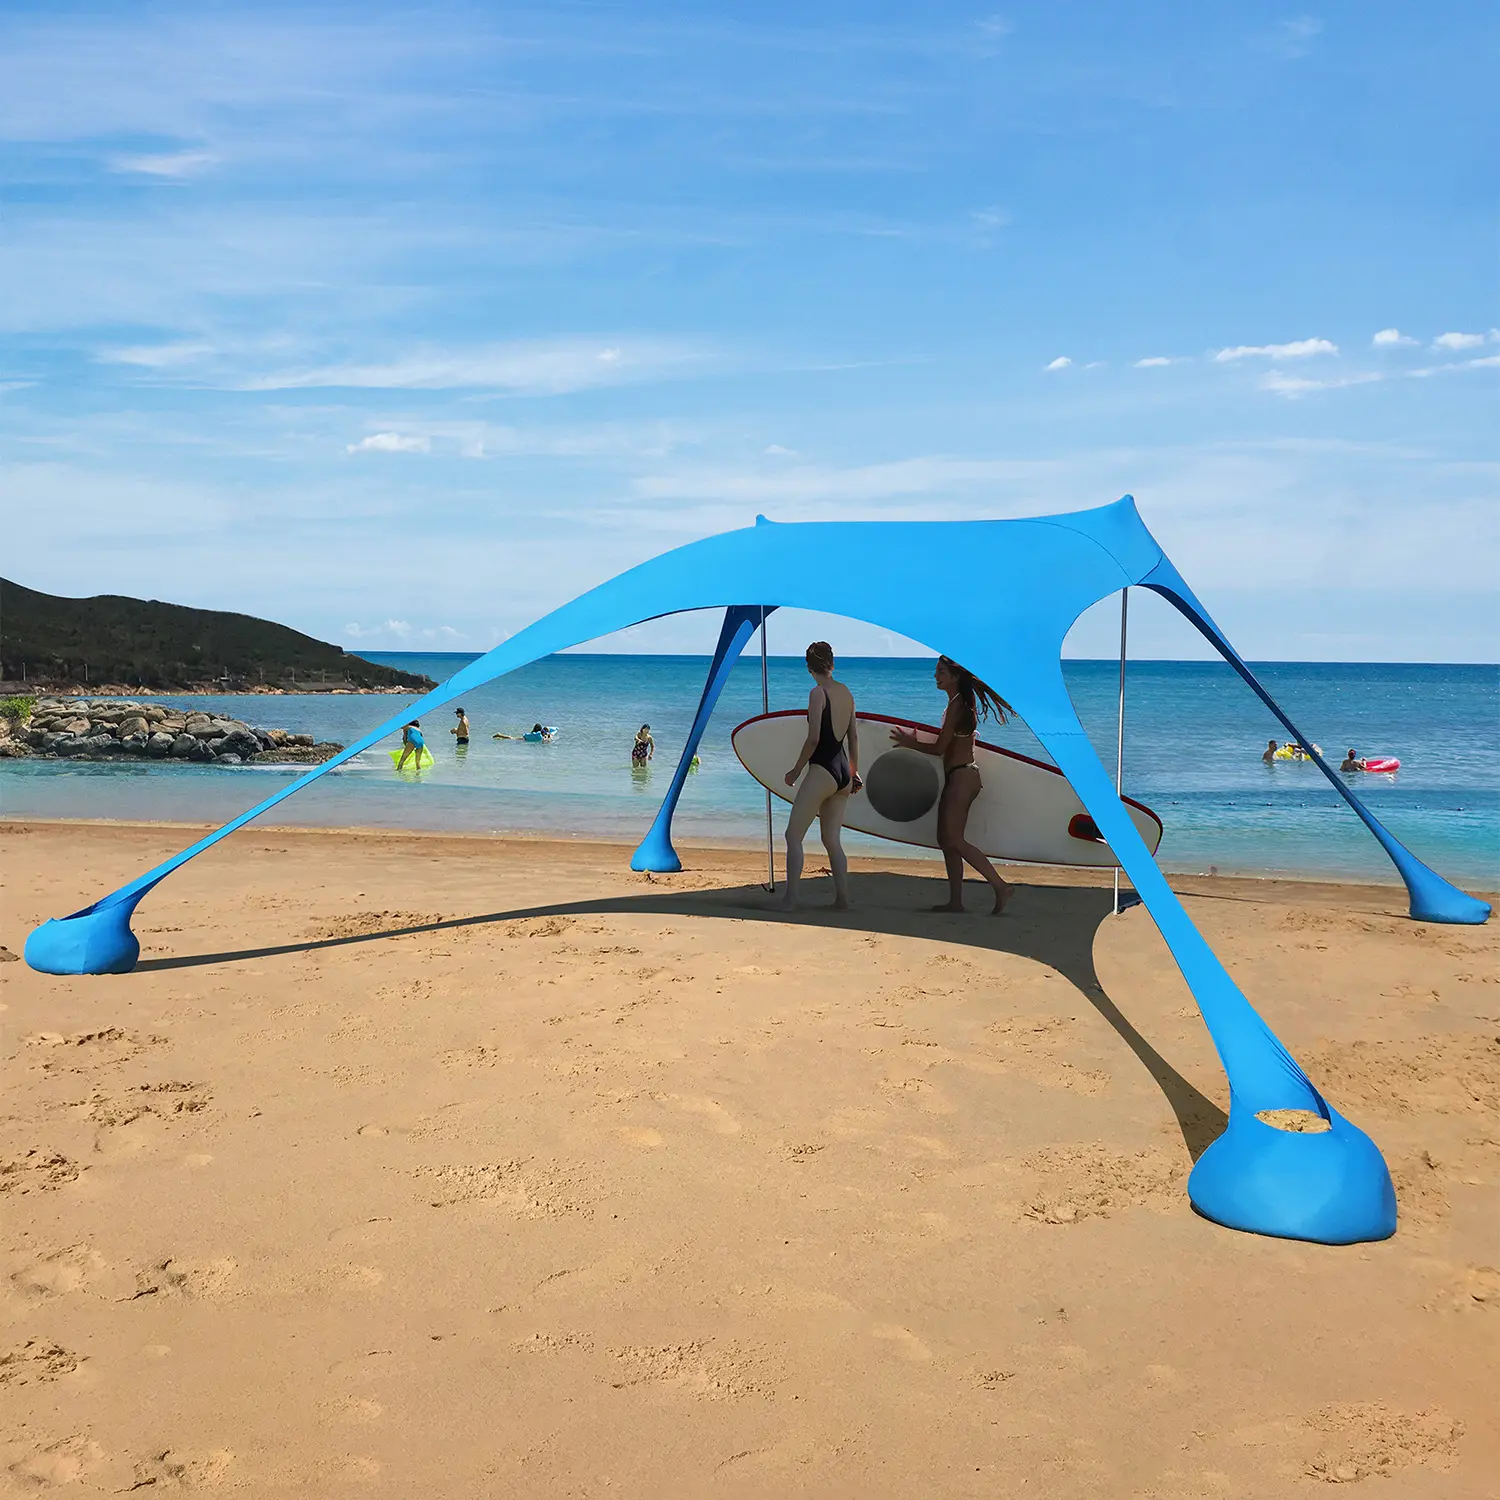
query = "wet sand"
{"x": 465, "y": 1167}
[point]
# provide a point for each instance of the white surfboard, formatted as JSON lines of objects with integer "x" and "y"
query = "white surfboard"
{"x": 1027, "y": 811}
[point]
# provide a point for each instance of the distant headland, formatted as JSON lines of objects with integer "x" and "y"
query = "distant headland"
{"x": 111, "y": 644}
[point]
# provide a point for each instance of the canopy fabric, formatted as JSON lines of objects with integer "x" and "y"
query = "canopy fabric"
{"x": 1025, "y": 582}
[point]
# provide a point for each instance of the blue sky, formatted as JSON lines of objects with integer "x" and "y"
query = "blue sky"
{"x": 403, "y": 325}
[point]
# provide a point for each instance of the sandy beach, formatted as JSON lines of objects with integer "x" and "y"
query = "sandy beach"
{"x": 449, "y": 1167}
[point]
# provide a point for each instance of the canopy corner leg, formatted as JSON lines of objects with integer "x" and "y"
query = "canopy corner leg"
{"x": 655, "y": 852}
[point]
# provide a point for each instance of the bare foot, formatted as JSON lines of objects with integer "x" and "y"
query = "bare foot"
{"x": 785, "y": 904}
{"x": 842, "y": 906}
{"x": 948, "y": 906}
{"x": 1002, "y": 898}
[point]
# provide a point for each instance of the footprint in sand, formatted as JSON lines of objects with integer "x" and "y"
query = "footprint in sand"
{"x": 211, "y": 1279}
{"x": 102, "y": 1048}
{"x": 175, "y": 1470}
{"x": 360, "y": 1278}
{"x": 714, "y": 1115}
{"x": 1095, "y": 1181}
{"x": 926, "y": 1096}
{"x": 64, "y": 1462}
{"x": 37, "y": 1171}
{"x": 903, "y": 1340}
{"x": 1363, "y": 1439}
{"x": 1468, "y": 1289}
{"x": 54, "y": 1273}
{"x": 357, "y": 1411}
{"x": 37, "y": 1360}
{"x": 639, "y": 1135}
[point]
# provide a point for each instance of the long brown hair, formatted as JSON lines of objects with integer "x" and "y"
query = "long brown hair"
{"x": 977, "y": 696}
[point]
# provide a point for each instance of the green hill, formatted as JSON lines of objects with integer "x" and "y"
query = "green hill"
{"x": 142, "y": 643}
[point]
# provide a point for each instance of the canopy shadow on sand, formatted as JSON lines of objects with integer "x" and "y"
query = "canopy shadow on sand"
{"x": 1055, "y": 926}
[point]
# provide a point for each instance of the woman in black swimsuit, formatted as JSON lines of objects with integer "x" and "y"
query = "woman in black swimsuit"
{"x": 832, "y": 775}
{"x": 969, "y": 700}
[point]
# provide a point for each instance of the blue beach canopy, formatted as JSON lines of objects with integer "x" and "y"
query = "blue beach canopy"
{"x": 1330, "y": 1186}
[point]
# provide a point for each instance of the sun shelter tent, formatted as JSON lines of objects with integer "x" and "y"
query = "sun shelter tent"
{"x": 1330, "y": 1186}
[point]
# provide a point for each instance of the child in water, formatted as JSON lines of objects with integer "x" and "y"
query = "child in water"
{"x": 644, "y": 748}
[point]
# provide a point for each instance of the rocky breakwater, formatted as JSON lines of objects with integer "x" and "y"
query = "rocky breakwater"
{"x": 112, "y": 729}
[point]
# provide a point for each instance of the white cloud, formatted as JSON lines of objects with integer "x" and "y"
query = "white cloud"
{"x": 390, "y": 442}
{"x": 537, "y": 368}
{"x": 403, "y": 632}
{"x": 1154, "y": 362}
{"x": 1296, "y": 385}
{"x": 156, "y": 356}
{"x": 174, "y": 164}
{"x": 775, "y": 450}
{"x": 1488, "y": 362}
{"x": 1458, "y": 341}
{"x": 1060, "y": 363}
{"x": 1391, "y": 338}
{"x": 990, "y": 218}
{"x": 1298, "y": 349}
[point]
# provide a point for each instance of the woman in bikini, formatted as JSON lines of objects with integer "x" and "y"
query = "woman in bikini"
{"x": 832, "y": 774}
{"x": 969, "y": 700}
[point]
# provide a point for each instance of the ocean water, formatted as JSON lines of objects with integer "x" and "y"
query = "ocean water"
{"x": 1194, "y": 735}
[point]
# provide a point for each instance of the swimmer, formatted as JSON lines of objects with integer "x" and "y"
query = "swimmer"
{"x": 644, "y": 748}
{"x": 1352, "y": 762}
{"x": 412, "y": 744}
{"x": 1270, "y": 754}
{"x": 461, "y": 729}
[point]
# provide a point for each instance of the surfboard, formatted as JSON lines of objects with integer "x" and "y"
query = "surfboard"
{"x": 419, "y": 762}
{"x": 1027, "y": 811}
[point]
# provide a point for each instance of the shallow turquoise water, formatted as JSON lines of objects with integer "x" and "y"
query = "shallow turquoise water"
{"x": 1194, "y": 734}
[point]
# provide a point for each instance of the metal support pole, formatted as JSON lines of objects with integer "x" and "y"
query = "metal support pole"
{"x": 765, "y": 708}
{"x": 1120, "y": 725}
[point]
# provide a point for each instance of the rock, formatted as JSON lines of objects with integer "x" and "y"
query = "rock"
{"x": 200, "y": 750}
{"x": 76, "y": 726}
{"x": 159, "y": 744}
{"x": 300, "y": 739}
{"x": 183, "y": 746}
{"x": 132, "y": 724}
{"x": 136, "y": 743}
{"x": 228, "y": 759}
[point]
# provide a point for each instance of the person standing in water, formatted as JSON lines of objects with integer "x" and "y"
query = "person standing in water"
{"x": 461, "y": 729}
{"x": 412, "y": 744}
{"x": 1270, "y": 752}
{"x": 644, "y": 748}
{"x": 969, "y": 699}
{"x": 830, "y": 757}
